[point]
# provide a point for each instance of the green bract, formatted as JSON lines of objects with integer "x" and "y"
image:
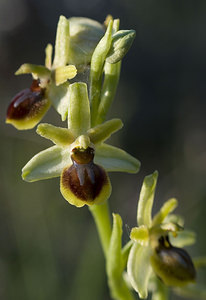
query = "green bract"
{"x": 57, "y": 160}
{"x": 151, "y": 246}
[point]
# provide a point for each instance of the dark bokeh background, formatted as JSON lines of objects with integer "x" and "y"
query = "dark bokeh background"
{"x": 49, "y": 249}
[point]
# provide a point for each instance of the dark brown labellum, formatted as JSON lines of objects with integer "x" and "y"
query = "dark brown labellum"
{"x": 173, "y": 265}
{"x": 26, "y": 103}
{"x": 84, "y": 180}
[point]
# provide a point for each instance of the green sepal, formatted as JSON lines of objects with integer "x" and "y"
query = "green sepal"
{"x": 62, "y": 43}
{"x": 84, "y": 36}
{"x": 121, "y": 43}
{"x": 48, "y": 56}
{"x": 47, "y": 164}
{"x": 139, "y": 269}
{"x": 37, "y": 71}
{"x": 79, "y": 109}
{"x": 59, "y": 96}
{"x": 165, "y": 210}
{"x": 114, "y": 159}
{"x": 144, "y": 211}
{"x": 183, "y": 238}
{"x": 140, "y": 235}
{"x": 60, "y": 136}
{"x": 62, "y": 74}
{"x": 102, "y": 132}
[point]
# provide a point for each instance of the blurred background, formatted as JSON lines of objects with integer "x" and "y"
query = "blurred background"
{"x": 49, "y": 249}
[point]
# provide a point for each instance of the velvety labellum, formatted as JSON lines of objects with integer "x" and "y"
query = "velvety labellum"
{"x": 27, "y": 107}
{"x": 84, "y": 180}
{"x": 173, "y": 265}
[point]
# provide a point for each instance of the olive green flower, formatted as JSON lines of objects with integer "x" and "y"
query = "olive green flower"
{"x": 80, "y": 155}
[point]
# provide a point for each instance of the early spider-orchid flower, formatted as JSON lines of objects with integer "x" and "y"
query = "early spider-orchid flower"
{"x": 152, "y": 248}
{"x": 80, "y": 157}
{"x": 76, "y": 40}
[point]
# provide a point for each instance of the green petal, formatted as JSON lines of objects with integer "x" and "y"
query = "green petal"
{"x": 60, "y": 136}
{"x": 36, "y": 70}
{"x": 165, "y": 210}
{"x": 59, "y": 96}
{"x": 102, "y": 132}
{"x": 46, "y": 164}
{"x": 79, "y": 109}
{"x": 139, "y": 269}
{"x": 62, "y": 43}
{"x": 146, "y": 198}
{"x": 48, "y": 58}
{"x": 184, "y": 238}
{"x": 140, "y": 235}
{"x": 114, "y": 159}
{"x": 62, "y": 74}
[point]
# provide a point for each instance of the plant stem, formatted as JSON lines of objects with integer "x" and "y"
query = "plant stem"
{"x": 100, "y": 213}
{"x": 102, "y": 220}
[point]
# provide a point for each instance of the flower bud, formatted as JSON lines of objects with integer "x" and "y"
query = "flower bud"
{"x": 84, "y": 182}
{"x": 171, "y": 264}
{"x": 28, "y": 107}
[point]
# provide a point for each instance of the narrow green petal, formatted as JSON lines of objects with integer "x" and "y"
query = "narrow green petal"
{"x": 103, "y": 131}
{"x": 165, "y": 210}
{"x": 60, "y": 136}
{"x": 36, "y": 70}
{"x": 48, "y": 58}
{"x": 62, "y": 43}
{"x": 139, "y": 269}
{"x": 62, "y": 74}
{"x": 140, "y": 235}
{"x": 59, "y": 96}
{"x": 46, "y": 164}
{"x": 184, "y": 238}
{"x": 114, "y": 159}
{"x": 146, "y": 198}
{"x": 79, "y": 109}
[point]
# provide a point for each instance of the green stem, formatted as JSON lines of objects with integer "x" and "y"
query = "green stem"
{"x": 102, "y": 220}
{"x": 100, "y": 213}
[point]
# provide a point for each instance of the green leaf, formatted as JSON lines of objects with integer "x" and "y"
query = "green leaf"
{"x": 118, "y": 287}
{"x": 46, "y": 164}
{"x": 62, "y": 43}
{"x": 79, "y": 109}
{"x": 140, "y": 235}
{"x": 59, "y": 96}
{"x": 114, "y": 259}
{"x": 146, "y": 198}
{"x": 121, "y": 43}
{"x": 165, "y": 210}
{"x": 114, "y": 159}
{"x": 36, "y": 70}
{"x": 139, "y": 269}
{"x": 184, "y": 238}
{"x": 60, "y": 136}
{"x": 102, "y": 132}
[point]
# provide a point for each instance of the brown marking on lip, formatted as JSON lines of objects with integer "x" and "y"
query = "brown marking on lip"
{"x": 27, "y": 103}
{"x": 91, "y": 186}
{"x": 82, "y": 156}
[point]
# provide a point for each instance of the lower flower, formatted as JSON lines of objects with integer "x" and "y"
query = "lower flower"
{"x": 84, "y": 182}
